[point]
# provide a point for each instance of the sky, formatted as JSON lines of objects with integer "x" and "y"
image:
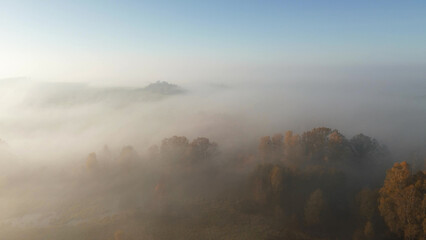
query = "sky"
{"x": 134, "y": 42}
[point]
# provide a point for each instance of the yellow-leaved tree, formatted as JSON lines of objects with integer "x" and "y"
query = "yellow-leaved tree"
{"x": 402, "y": 202}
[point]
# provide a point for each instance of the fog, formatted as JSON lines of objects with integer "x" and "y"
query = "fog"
{"x": 44, "y": 121}
{"x": 48, "y": 130}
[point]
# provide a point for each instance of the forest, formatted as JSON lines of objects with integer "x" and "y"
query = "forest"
{"x": 314, "y": 185}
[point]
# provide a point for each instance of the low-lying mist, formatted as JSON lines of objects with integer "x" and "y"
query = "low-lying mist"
{"x": 43, "y": 121}
{"x": 81, "y": 161}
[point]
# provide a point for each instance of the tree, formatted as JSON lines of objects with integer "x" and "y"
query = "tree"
{"x": 271, "y": 150}
{"x": 337, "y": 147}
{"x": 276, "y": 177}
{"x": 364, "y": 146}
{"x": 127, "y": 157}
{"x": 262, "y": 189}
{"x": 202, "y": 149}
{"x": 316, "y": 139}
{"x": 265, "y": 149}
{"x": 174, "y": 149}
{"x": 315, "y": 143}
{"x": 290, "y": 139}
{"x": 401, "y": 201}
{"x": 369, "y": 230}
{"x": 277, "y": 147}
{"x": 315, "y": 206}
{"x": 367, "y": 203}
{"x": 293, "y": 154}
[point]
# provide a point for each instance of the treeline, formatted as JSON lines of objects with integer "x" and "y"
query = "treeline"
{"x": 317, "y": 185}
{"x": 331, "y": 186}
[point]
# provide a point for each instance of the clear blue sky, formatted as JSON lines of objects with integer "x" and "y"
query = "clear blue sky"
{"x": 94, "y": 40}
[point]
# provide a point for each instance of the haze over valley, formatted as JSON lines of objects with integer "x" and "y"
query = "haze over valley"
{"x": 198, "y": 120}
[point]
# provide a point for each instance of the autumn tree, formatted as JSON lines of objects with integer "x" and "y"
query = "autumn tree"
{"x": 261, "y": 182}
{"x": 265, "y": 149}
{"x": 366, "y": 201}
{"x": 277, "y": 147}
{"x": 324, "y": 145}
{"x": 314, "y": 209}
{"x": 174, "y": 149}
{"x": 364, "y": 146}
{"x": 369, "y": 230}
{"x": 337, "y": 147}
{"x": 271, "y": 149}
{"x": 369, "y": 155}
{"x": 128, "y": 156}
{"x": 201, "y": 149}
{"x": 293, "y": 155}
{"x": 276, "y": 179}
{"x": 315, "y": 140}
{"x": 402, "y": 201}
{"x": 367, "y": 204}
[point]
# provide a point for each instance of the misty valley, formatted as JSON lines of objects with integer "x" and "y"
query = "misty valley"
{"x": 212, "y": 120}
{"x": 313, "y": 185}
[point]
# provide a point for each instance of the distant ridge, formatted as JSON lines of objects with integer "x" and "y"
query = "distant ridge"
{"x": 164, "y": 88}
{"x": 71, "y": 94}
